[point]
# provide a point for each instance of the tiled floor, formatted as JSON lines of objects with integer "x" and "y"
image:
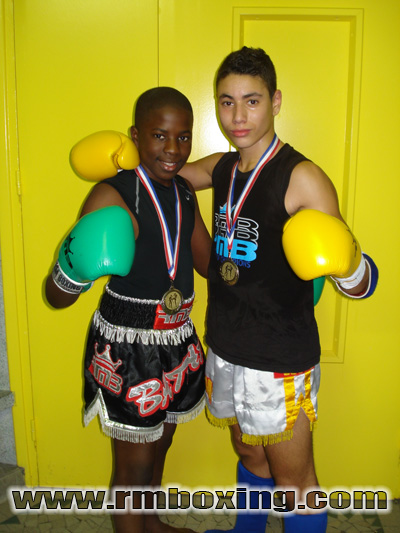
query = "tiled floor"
{"x": 199, "y": 522}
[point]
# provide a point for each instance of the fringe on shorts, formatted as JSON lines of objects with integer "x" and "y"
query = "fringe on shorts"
{"x": 220, "y": 422}
{"x": 134, "y": 434}
{"x": 254, "y": 440}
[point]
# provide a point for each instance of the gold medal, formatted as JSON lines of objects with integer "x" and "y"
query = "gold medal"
{"x": 172, "y": 301}
{"x": 229, "y": 272}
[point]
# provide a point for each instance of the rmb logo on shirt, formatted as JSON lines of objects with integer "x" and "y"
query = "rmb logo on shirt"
{"x": 245, "y": 241}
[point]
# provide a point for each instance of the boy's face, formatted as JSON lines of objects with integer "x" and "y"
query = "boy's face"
{"x": 164, "y": 141}
{"x": 246, "y": 111}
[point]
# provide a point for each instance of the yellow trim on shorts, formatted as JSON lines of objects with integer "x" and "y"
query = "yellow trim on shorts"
{"x": 220, "y": 422}
{"x": 252, "y": 440}
{"x": 264, "y": 440}
{"x": 267, "y": 440}
{"x": 303, "y": 402}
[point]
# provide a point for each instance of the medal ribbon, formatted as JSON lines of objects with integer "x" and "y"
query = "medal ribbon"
{"x": 171, "y": 253}
{"x": 231, "y": 219}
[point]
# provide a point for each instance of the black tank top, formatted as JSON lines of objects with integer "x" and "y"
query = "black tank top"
{"x": 148, "y": 278}
{"x": 266, "y": 321}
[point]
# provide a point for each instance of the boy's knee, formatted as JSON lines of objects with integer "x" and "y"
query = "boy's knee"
{"x": 133, "y": 473}
{"x": 133, "y": 465}
{"x": 296, "y": 478}
{"x": 248, "y": 453}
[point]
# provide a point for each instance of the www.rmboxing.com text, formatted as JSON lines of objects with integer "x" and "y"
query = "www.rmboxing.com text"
{"x": 174, "y": 499}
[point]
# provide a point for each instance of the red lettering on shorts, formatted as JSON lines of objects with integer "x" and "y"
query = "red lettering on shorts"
{"x": 103, "y": 369}
{"x": 153, "y": 394}
{"x": 148, "y": 396}
{"x": 165, "y": 321}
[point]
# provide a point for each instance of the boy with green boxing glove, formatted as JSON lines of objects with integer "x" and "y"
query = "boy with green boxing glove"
{"x": 144, "y": 364}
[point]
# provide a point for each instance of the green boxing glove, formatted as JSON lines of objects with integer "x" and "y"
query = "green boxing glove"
{"x": 318, "y": 284}
{"x": 101, "y": 243}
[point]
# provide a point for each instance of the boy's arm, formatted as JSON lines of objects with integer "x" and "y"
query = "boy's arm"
{"x": 102, "y": 196}
{"x": 199, "y": 173}
{"x": 56, "y": 297}
{"x": 310, "y": 188}
{"x": 201, "y": 241}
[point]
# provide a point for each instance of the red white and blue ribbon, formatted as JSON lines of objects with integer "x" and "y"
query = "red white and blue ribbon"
{"x": 171, "y": 252}
{"x": 231, "y": 218}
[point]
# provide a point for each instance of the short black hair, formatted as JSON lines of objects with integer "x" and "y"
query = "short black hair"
{"x": 251, "y": 61}
{"x": 159, "y": 97}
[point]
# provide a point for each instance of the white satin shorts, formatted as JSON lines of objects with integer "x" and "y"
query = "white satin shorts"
{"x": 264, "y": 404}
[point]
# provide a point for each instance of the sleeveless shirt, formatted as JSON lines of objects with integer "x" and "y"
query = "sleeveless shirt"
{"x": 266, "y": 321}
{"x": 148, "y": 277}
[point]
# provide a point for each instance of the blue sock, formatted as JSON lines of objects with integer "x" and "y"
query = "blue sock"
{"x": 250, "y": 521}
{"x": 306, "y": 523}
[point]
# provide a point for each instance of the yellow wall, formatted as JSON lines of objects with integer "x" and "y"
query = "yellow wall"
{"x": 73, "y": 67}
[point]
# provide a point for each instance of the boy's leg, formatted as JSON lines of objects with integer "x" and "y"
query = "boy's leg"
{"x": 292, "y": 466}
{"x": 253, "y": 458}
{"x": 133, "y": 466}
{"x": 253, "y": 472}
{"x": 140, "y": 465}
{"x": 152, "y": 522}
{"x": 291, "y": 461}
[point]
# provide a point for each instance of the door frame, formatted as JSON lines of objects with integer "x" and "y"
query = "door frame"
{"x": 13, "y": 257}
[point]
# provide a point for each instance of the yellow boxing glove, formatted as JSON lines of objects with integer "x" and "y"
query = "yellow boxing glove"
{"x": 101, "y": 154}
{"x": 317, "y": 244}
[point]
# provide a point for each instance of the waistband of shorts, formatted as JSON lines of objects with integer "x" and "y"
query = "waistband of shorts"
{"x": 127, "y": 312}
{"x": 170, "y": 336}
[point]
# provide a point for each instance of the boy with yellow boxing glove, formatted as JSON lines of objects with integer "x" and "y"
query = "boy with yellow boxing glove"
{"x": 263, "y": 360}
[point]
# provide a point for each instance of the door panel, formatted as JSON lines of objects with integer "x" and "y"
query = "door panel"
{"x": 77, "y": 68}
{"x": 326, "y": 57}
{"x": 319, "y": 88}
